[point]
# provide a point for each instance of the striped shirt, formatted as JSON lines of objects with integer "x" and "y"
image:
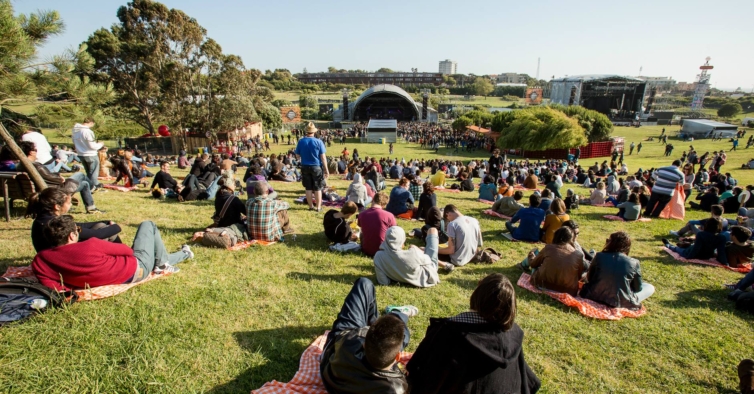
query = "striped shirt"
{"x": 666, "y": 179}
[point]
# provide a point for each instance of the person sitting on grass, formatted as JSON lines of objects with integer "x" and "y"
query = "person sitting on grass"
{"x": 401, "y": 200}
{"x": 614, "y": 279}
{"x": 53, "y": 202}
{"x": 631, "y": 209}
{"x": 163, "y": 183}
{"x": 597, "y": 197}
{"x": 466, "y": 185}
{"x": 554, "y": 220}
{"x": 716, "y": 211}
{"x": 362, "y": 348}
{"x": 554, "y": 187}
{"x": 504, "y": 190}
{"x": 509, "y": 205}
{"x": 739, "y": 251}
{"x": 413, "y": 266}
{"x": 546, "y": 200}
{"x": 357, "y": 192}
{"x": 571, "y": 201}
{"x": 267, "y": 219}
{"x": 427, "y": 201}
{"x": 531, "y": 181}
{"x": 487, "y": 189}
{"x": 71, "y": 264}
{"x": 374, "y": 223}
{"x": 337, "y": 227}
{"x": 432, "y": 221}
{"x": 588, "y": 255}
{"x": 558, "y": 266}
{"x": 456, "y": 354}
{"x": 235, "y": 213}
{"x": 464, "y": 237}
{"x": 254, "y": 175}
{"x": 530, "y": 220}
{"x": 706, "y": 243}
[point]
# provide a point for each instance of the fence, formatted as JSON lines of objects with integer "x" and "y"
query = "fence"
{"x": 593, "y": 149}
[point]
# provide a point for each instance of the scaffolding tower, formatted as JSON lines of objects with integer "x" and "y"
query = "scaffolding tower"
{"x": 702, "y": 86}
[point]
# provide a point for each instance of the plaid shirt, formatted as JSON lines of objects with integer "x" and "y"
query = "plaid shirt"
{"x": 262, "y": 218}
{"x": 416, "y": 191}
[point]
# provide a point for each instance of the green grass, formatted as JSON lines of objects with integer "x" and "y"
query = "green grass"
{"x": 230, "y": 321}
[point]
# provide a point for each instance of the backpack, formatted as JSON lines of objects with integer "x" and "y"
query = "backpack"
{"x": 486, "y": 256}
{"x": 17, "y": 295}
{"x": 745, "y": 302}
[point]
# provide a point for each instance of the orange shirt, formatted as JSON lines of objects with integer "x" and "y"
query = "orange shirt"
{"x": 552, "y": 223}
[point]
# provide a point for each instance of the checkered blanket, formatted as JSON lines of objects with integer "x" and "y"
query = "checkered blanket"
{"x": 307, "y": 379}
{"x": 586, "y": 307}
{"x": 711, "y": 262}
{"x": 90, "y": 294}
{"x": 490, "y": 212}
{"x": 613, "y": 217}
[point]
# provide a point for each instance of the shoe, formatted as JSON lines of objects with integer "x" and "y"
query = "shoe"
{"x": 166, "y": 269}
{"x": 94, "y": 211}
{"x": 448, "y": 268}
{"x": 674, "y": 233}
{"x": 289, "y": 230}
{"x": 186, "y": 249}
{"x": 524, "y": 269}
{"x": 408, "y": 310}
{"x": 730, "y": 286}
{"x": 665, "y": 242}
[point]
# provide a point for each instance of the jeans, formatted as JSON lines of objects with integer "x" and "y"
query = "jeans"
{"x": 213, "y": 188}
{"x": 658, "y": 201}
{"x": 54, "y": 166}
{"x": 681, "y": 251}
{"x": 85, "y": 189}
{"x": 747, "y": 281}
{"x": 510, "y": 226}
{"x": 432, "y": 247}
{"x": 150, "y": 251}
{"x": 690, "y": 227}
{"x": 612, "y": 200}
{"x": 91, "y": 166}
{"x": 360, "y": 310}
{"x": 646, "y": 291}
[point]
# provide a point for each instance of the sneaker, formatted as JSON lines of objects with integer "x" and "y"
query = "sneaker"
{"x": 674, "y": 233}
{"x": 166, "y": 269}
{"x": 665, "y": 242}
{"x": 186, "y": 249}
{"x": 448, "y": 268}
{"x": 408, "y": 310}
{"x": 524, "y": 269}
{"x": 94, "y": 211}
{"x": 730, "y": 286}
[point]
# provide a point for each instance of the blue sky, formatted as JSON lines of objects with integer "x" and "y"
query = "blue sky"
{"x": 666, "y": 38}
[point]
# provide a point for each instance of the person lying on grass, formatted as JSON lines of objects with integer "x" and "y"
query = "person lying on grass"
{"x": 337, "y": 228}
{"x": 692, "y": 226}
{"x": 413, "y": 266}
{"x": 53, "y": 202}
{"x": 164, "y": 185}
{"x": 559, "y": 266}
{"x": 71, "y": 264}
{"x": 464, "y": 237}
{"x": 479, "y": 351}
{"x": 613, "y": 278}
{"x": 362, "y": 348}
{"x": 707, "y": 242}
{"x": 529, "y": 220}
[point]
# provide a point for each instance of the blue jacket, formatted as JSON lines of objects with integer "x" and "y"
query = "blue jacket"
{"x": 531, "y": 220}
{"x": 398, "y": 199}
{"x": 704, "y": 247}
{"x": 487, "y": 191}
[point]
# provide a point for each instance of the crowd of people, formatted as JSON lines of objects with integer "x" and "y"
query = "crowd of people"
{"x": 361, "y": 349}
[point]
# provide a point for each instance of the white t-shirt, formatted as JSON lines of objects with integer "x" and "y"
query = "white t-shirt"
{"x": 466, "y": 236}
{"x": 44, "y": 150}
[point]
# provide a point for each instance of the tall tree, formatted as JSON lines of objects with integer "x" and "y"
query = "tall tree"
{"x": 482, "y": 86}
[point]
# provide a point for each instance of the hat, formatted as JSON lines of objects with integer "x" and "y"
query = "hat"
{"x": 310, "y": 129}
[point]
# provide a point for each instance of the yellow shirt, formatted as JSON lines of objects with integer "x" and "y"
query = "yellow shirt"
{"x": 438, "y": 179}
{"x": 552, "y": 223}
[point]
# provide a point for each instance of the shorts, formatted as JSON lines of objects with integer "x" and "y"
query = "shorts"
{"x": 312, "y": 178}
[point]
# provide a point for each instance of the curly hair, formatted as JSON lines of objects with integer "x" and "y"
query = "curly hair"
{"x": 618, "y": 242}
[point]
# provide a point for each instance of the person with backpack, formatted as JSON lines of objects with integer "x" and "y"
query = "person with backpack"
{"x": 73, "y": 264}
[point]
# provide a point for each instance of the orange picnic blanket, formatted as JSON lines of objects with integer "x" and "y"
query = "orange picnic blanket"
{"x": 90, "y": 294}
{"x": 711, "y": 262}
{"x": 490, "y": 212}
{"x": 307, "y": 379}
{"x": 614, "y": 217}
{"x": 238, "y": 246}
{"x": 586, "y": 307}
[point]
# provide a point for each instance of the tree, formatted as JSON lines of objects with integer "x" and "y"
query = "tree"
{"x": 596, "y": 124}
{"x": 541, "y": 128}
{"x": 306, "y": 101}
{"x": 482, "y": 86}
{"x": 385, "y": 70}
{"x": 332, "y": 69}
{"x": 729, "y": 110}
{"x": 461, "y": 123}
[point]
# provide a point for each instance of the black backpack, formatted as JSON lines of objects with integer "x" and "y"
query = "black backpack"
{"x": 745, "y": 302}
{"x": 18, "y": 294}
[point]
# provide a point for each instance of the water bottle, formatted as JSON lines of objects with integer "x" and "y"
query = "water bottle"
{"x": 38, "y": 304}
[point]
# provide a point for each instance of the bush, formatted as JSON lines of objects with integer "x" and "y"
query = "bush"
{"x": 461, "y": 123}
{"x": 597, "y": 126}
{"x": 541, "y": 128}
{"x": 729, "y": 110}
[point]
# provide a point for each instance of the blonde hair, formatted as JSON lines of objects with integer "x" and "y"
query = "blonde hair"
{"x": 600, "y": 185}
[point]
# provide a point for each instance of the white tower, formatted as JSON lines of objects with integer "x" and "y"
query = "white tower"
{"x": 702, "y": 86}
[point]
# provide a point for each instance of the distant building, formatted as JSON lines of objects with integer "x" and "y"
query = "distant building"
{"x": 369, "y": 79}
{"x": 448, "y": 67}
{"x": 511, "y": 78}
{"x": 685, "y": 86}
{"x": 663, "y": 84}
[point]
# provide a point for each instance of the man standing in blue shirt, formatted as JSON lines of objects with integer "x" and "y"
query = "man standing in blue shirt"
{"x": 311, "y": 154}
{"x": 531, "y": 219}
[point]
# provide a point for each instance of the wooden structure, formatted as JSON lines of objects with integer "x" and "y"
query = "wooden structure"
{"x": 16, "y": 186}
{"x": 193, "y": 142}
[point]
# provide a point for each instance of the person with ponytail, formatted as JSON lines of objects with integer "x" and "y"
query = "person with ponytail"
{"x": 53, "y": 202}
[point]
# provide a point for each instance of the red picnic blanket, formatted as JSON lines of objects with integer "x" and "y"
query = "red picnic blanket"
{"x": 239, "y": 246}
{"x": 522, "y": 188}
{"x": 490, "y": 212}
{"x": 486, "y": 201}
{"x": 307, "y": 379}
{"x": 614, "y": 217}
{"x": 90, "y": 294}
{"x": 711, "y": 262}
{"x": 586, "y": 307}
{"x": 447, "y": 190}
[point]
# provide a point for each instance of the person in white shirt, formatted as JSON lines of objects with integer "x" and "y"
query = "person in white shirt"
{"x": 87, "y": 149}
{"x": 44, "y": 150}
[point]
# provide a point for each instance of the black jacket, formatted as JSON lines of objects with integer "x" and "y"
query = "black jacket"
{"x": 426, "y": 201}
{"x": 101, "y": 230}
{"x": 236, "y": 209}
{"x": 707, "y": 200}
{"x": 612, "y": 279}
{"x": 336, "y": 229}
{"x": 164, "y": 181}
{"x": 344, "y": 368}
{"x": 459, "y": 357}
